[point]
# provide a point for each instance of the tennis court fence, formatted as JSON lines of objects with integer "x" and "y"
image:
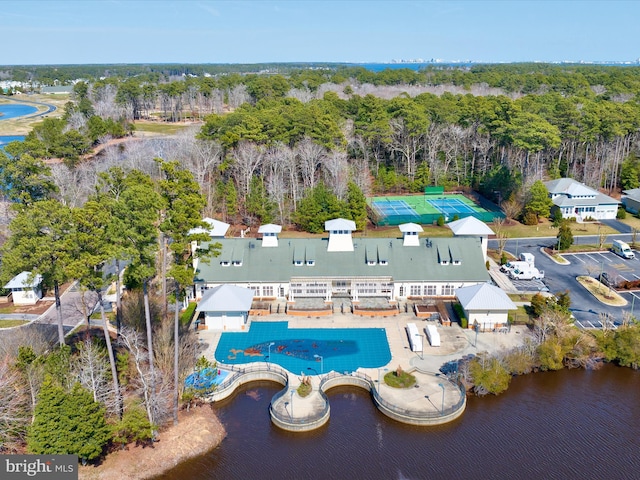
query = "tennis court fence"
{"x": 427, "y": 218}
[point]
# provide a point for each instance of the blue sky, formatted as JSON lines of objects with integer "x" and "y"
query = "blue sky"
{"x": 152, "y": 31}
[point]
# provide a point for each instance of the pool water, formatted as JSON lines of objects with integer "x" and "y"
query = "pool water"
{"x": 306, "y": 350}
{"x": 206, "y": 378}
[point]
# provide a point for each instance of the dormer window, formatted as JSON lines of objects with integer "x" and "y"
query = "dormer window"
{"x": 297, "y": 263}
{"x": 371, "y": 262}
{"x": 237, "y": 263}
{"x": 457, "y": 262}
{"x": 444, "y": 262}
{"x": 384, "y": 262}
{"x": 224, "y": 263}
{"x": 311, "y": 263}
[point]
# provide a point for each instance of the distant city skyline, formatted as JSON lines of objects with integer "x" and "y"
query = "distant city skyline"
{"x": 365, "y": 31}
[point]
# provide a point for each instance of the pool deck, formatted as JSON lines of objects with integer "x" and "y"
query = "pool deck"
{"x": 433, "y": 393}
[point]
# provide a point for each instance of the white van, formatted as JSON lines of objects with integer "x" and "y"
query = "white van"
{"x": 526, "y": 274}
{"x": 510, "y": 266}
{"x": 529, "y": 258}
{"x": 622, "y": 249}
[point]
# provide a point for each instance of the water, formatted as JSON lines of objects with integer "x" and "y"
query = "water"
{"x": 564, "y": 425}
{"x": 14, "y": 110}
{"x": 4, "y": 139}
{"x": 304, "y": 349}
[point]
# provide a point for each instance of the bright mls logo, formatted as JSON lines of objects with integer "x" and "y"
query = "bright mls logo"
{"x": 50, "y": 467}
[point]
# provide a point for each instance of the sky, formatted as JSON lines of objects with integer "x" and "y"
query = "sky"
{"x": 257, "y": 31}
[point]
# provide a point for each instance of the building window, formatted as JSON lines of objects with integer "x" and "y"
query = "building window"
{"x": 415, "y": 290}
{"x": 430, "y": 290}
{"x": 447, "y": 290}
{"x": 256, "y": 290}
{"x": 267, "y": 291}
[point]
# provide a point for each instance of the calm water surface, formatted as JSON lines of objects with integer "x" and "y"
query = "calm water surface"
{"x": 14, "y": 110}
{"x": 566, "y": 425}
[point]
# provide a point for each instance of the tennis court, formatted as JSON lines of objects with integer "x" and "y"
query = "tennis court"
{"x": 388, "y": 208}
{"x": 450, "y": 206}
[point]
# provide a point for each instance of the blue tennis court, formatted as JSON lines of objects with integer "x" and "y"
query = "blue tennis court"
{"x": 450, "y": 206}
{"x": 306, "y": 350}
{"x": 388, "y": 208}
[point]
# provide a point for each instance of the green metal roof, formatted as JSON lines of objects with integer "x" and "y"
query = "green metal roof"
{"x": 404, "y": 263}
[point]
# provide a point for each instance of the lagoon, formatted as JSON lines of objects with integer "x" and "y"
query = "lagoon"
{"x": 14, "y": 110}
{"x": 566, "y": 424}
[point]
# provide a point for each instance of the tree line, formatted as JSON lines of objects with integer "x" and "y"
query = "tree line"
{"x": 79, "y": 398}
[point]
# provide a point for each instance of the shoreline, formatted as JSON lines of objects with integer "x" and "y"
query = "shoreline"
{"x": 198, "y": 432}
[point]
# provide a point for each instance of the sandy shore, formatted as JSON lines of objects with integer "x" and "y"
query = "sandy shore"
{"x": 198, "y": 432}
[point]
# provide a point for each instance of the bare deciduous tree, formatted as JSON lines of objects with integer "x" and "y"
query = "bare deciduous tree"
{"x": 91, "y": 366}
{"x": 310, "y": 156}
{"x": 15, "y": 412}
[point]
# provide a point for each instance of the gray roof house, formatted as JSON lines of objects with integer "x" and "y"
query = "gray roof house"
{"x": 343, "y": 266}
{"x": 472, "y": 227}
{"x": 576, "y": 200}
{"x": 485, "y": 305}
{"x": 25, "y": 288}
{"x": 225, "y": 307}
{"x": 631, "y": 200}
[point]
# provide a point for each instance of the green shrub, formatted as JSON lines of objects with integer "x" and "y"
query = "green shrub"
{"x": 622, "y": 214}
{"x": 440, "y": 221}
{"x": 187, "y": 315}
{"x": 503, "y": 258}
{"x": 530, "y": 218}
{"x": 487, "y": 265}
{"x": 399, "y": 379}
{"x": 464, "y": 323}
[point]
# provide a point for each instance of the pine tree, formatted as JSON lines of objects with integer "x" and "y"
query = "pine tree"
{"x": 68, "y": 423}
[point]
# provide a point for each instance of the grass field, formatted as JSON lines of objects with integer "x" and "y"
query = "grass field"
{"x": 12, "y": 323}
{"x": 160, "y": 128}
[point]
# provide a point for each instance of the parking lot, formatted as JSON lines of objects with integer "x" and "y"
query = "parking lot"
{"x": 588, "y": 311}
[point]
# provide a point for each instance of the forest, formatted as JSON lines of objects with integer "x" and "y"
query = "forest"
{"x": 260, "y": 143}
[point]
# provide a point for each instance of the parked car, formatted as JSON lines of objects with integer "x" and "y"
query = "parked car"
{"x": 607, "y": 279}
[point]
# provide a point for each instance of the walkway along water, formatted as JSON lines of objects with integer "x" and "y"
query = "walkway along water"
{"x": 418, "y": 405}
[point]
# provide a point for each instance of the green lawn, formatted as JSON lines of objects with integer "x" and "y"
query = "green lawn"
{"x": 546, "y": 229}
{"x": 160, "y": 128}
{"x": 12, "y": 323}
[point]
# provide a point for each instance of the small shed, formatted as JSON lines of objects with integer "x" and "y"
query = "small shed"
{"x": 486, "y": 305}
{"x": 25, "y": 288}
{"x": 225, "y": 307}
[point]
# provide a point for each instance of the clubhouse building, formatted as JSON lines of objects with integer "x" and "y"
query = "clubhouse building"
{"x": 347, "y": 267}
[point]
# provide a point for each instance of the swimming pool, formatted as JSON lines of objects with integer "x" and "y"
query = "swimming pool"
{"x": 206, "y": 378}
{"x": 306, "y": 350}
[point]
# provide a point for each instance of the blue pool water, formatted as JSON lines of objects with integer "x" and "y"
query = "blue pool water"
{"x": 13, "y": 110}
{"x": 206, "y": 378}
{"x": 306, "y": 350}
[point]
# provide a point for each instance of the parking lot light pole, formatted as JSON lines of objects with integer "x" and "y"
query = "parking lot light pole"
{"x": 442, "y": 387}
